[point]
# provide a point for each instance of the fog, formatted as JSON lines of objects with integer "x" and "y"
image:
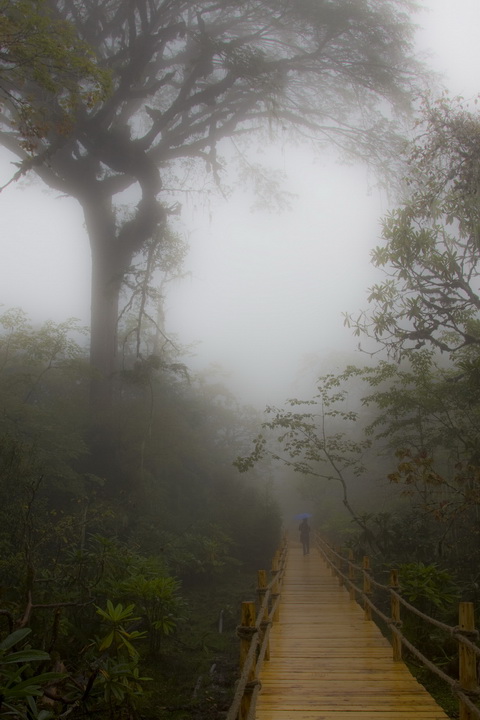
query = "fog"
{"x": 265, "y": 289}
{"x": 268, "y": 288}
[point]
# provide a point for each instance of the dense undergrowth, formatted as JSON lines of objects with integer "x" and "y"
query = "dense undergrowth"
{"x": 119, "y": 557}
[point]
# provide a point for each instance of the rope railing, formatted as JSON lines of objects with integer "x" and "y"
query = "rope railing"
{"x": 254, "y": 633}
{"x": 466, "y": 687}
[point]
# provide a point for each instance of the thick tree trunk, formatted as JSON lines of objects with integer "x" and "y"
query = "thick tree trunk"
{"x": 109, "y": 264}
{"x": 103, "y": 333}
{"x": 113, "y": 246}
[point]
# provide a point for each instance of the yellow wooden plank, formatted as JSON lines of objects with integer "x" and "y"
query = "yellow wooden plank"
{"x": 368, "y": 714}
{"x": 329, "y": 663}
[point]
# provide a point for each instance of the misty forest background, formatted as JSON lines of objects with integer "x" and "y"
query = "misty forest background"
{"x": 137, "y": 497}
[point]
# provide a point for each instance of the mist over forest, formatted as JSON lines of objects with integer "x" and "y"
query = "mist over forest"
{"x": 240, "y": 285}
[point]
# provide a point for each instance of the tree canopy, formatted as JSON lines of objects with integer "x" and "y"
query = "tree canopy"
{"x": 187, "y": 75}
{"x": 430, "y": 256}
{"x": 41, "y": 57}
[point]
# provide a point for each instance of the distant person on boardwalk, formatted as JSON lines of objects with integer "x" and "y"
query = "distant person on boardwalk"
{"x": 304, "y": 528}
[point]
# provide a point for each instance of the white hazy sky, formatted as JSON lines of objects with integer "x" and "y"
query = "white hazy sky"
{"x": 266, "y": 290}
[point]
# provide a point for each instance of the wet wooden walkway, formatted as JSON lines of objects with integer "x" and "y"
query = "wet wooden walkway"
{"x": 327, "y": 662}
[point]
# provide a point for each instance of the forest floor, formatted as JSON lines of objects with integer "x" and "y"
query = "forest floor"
{"x": 195, "y": 677}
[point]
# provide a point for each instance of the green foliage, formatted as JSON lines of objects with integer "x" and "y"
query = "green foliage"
{"x": 170, "y": 515}
{"x": 430, "y": 256}
{"x": 35, "y": 365}
{"x": 427, "y": 405}
{"x": 118, "y": 681}
{"x": 417, "y": 424}
{"x": 118, "y": 639}
{"x": 435, "y": 592}
{"x": 314, "y": 442}
{"x": 46, "y": 72}
{"x": 428, "y": 587}
{"x": 427, "y": 414}
{"x": 19, "y": 684}
{"x": 121, "y": 684}
{"x": 204, "y": 554}
{"x": 161, "y": 605}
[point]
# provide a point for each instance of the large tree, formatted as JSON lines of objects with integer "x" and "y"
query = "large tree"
{"x": 426, "y": 313}
{"x": 188, "y": 74}
{"x": 430, "y": 295}
{"x": 311, "y": 440}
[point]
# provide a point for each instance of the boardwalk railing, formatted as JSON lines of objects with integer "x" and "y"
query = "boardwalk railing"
{"x": 254, "y": 633}
{"x": 466, "y": 687}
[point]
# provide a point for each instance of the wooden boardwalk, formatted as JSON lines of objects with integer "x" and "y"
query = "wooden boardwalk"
{"x": 327, "y": 662}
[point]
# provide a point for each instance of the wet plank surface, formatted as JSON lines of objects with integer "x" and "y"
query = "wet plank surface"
{"x": 327, "y": 662}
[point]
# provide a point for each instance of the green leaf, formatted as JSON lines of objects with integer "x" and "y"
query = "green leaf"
{"x": 14, "y": 638}
{"x": 107, "y": 641}
{"x": 23, "y": 656}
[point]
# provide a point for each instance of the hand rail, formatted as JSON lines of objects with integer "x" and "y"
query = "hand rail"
{"x": 254, "y": 634}
{"x": 466, "y": 688}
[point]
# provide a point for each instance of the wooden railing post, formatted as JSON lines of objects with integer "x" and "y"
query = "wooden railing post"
{"x": 274, "y": 594}
{"x": 341, "y": 581}
{"x": 261, "y": 590}
{"x": 367, "y": 586}
{"x": 395, "y": 615}
{"x": 282, "y": 560}
{"x": 247, "y": 621}
{"x": 333, "y": 571}
{"x": 467, "y": 657}
{"x": 351, "y": 573}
